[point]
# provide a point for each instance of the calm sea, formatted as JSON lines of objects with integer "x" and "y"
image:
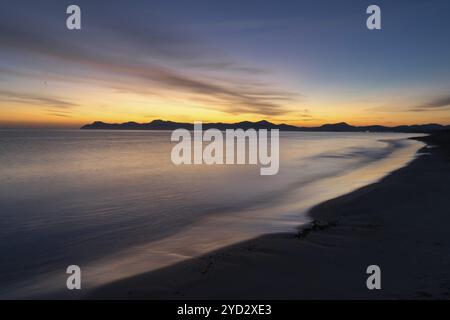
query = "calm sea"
{"x": 113, "y": 203}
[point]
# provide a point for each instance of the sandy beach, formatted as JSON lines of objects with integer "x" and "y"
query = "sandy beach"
{"x": 400, "y": 224}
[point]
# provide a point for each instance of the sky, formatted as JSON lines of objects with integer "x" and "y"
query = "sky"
{"x": 299, "y": 62}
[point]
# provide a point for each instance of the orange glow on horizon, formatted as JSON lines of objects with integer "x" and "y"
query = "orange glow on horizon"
{"x": 113, "y": 107}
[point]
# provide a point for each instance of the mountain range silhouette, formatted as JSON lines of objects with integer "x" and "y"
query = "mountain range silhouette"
{"x": 263, "y": 124}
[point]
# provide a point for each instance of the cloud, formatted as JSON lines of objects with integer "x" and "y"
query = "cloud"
{"x": 229, "y": 67}
{"x": 57, "y": 114}
{"x": 136, "y": 57}
{"x": 36, "y": 99}
{"x": 438, "y": 103}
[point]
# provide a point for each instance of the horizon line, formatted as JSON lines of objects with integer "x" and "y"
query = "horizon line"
{"x": 78, "y": 126}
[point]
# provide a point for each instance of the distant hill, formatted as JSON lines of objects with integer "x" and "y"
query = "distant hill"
{"x": 336, "y": 127}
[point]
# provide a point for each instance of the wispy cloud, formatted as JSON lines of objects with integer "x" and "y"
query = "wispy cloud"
{"x": 440, "y": 103}
{"x": 59, "y": 114}
{"x": 136, "y": 59}
{"x": 35, "y": 99}
{"x": 229, "y": 66}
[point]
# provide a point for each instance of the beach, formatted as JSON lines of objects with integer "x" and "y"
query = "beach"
{"x": 399, "y": 223}
{"x": 116, "y": 205}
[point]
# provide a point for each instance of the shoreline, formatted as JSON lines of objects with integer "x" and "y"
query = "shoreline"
{"x": 383, "y": 223}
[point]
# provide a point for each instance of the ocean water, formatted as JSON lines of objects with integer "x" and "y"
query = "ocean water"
{"x": 113, "y": 203}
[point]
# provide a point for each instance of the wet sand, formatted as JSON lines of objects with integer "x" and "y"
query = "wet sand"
{"x": 400, "y": 224}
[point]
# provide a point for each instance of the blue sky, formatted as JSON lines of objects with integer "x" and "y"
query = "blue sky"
{"x": 302, "y": 62}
